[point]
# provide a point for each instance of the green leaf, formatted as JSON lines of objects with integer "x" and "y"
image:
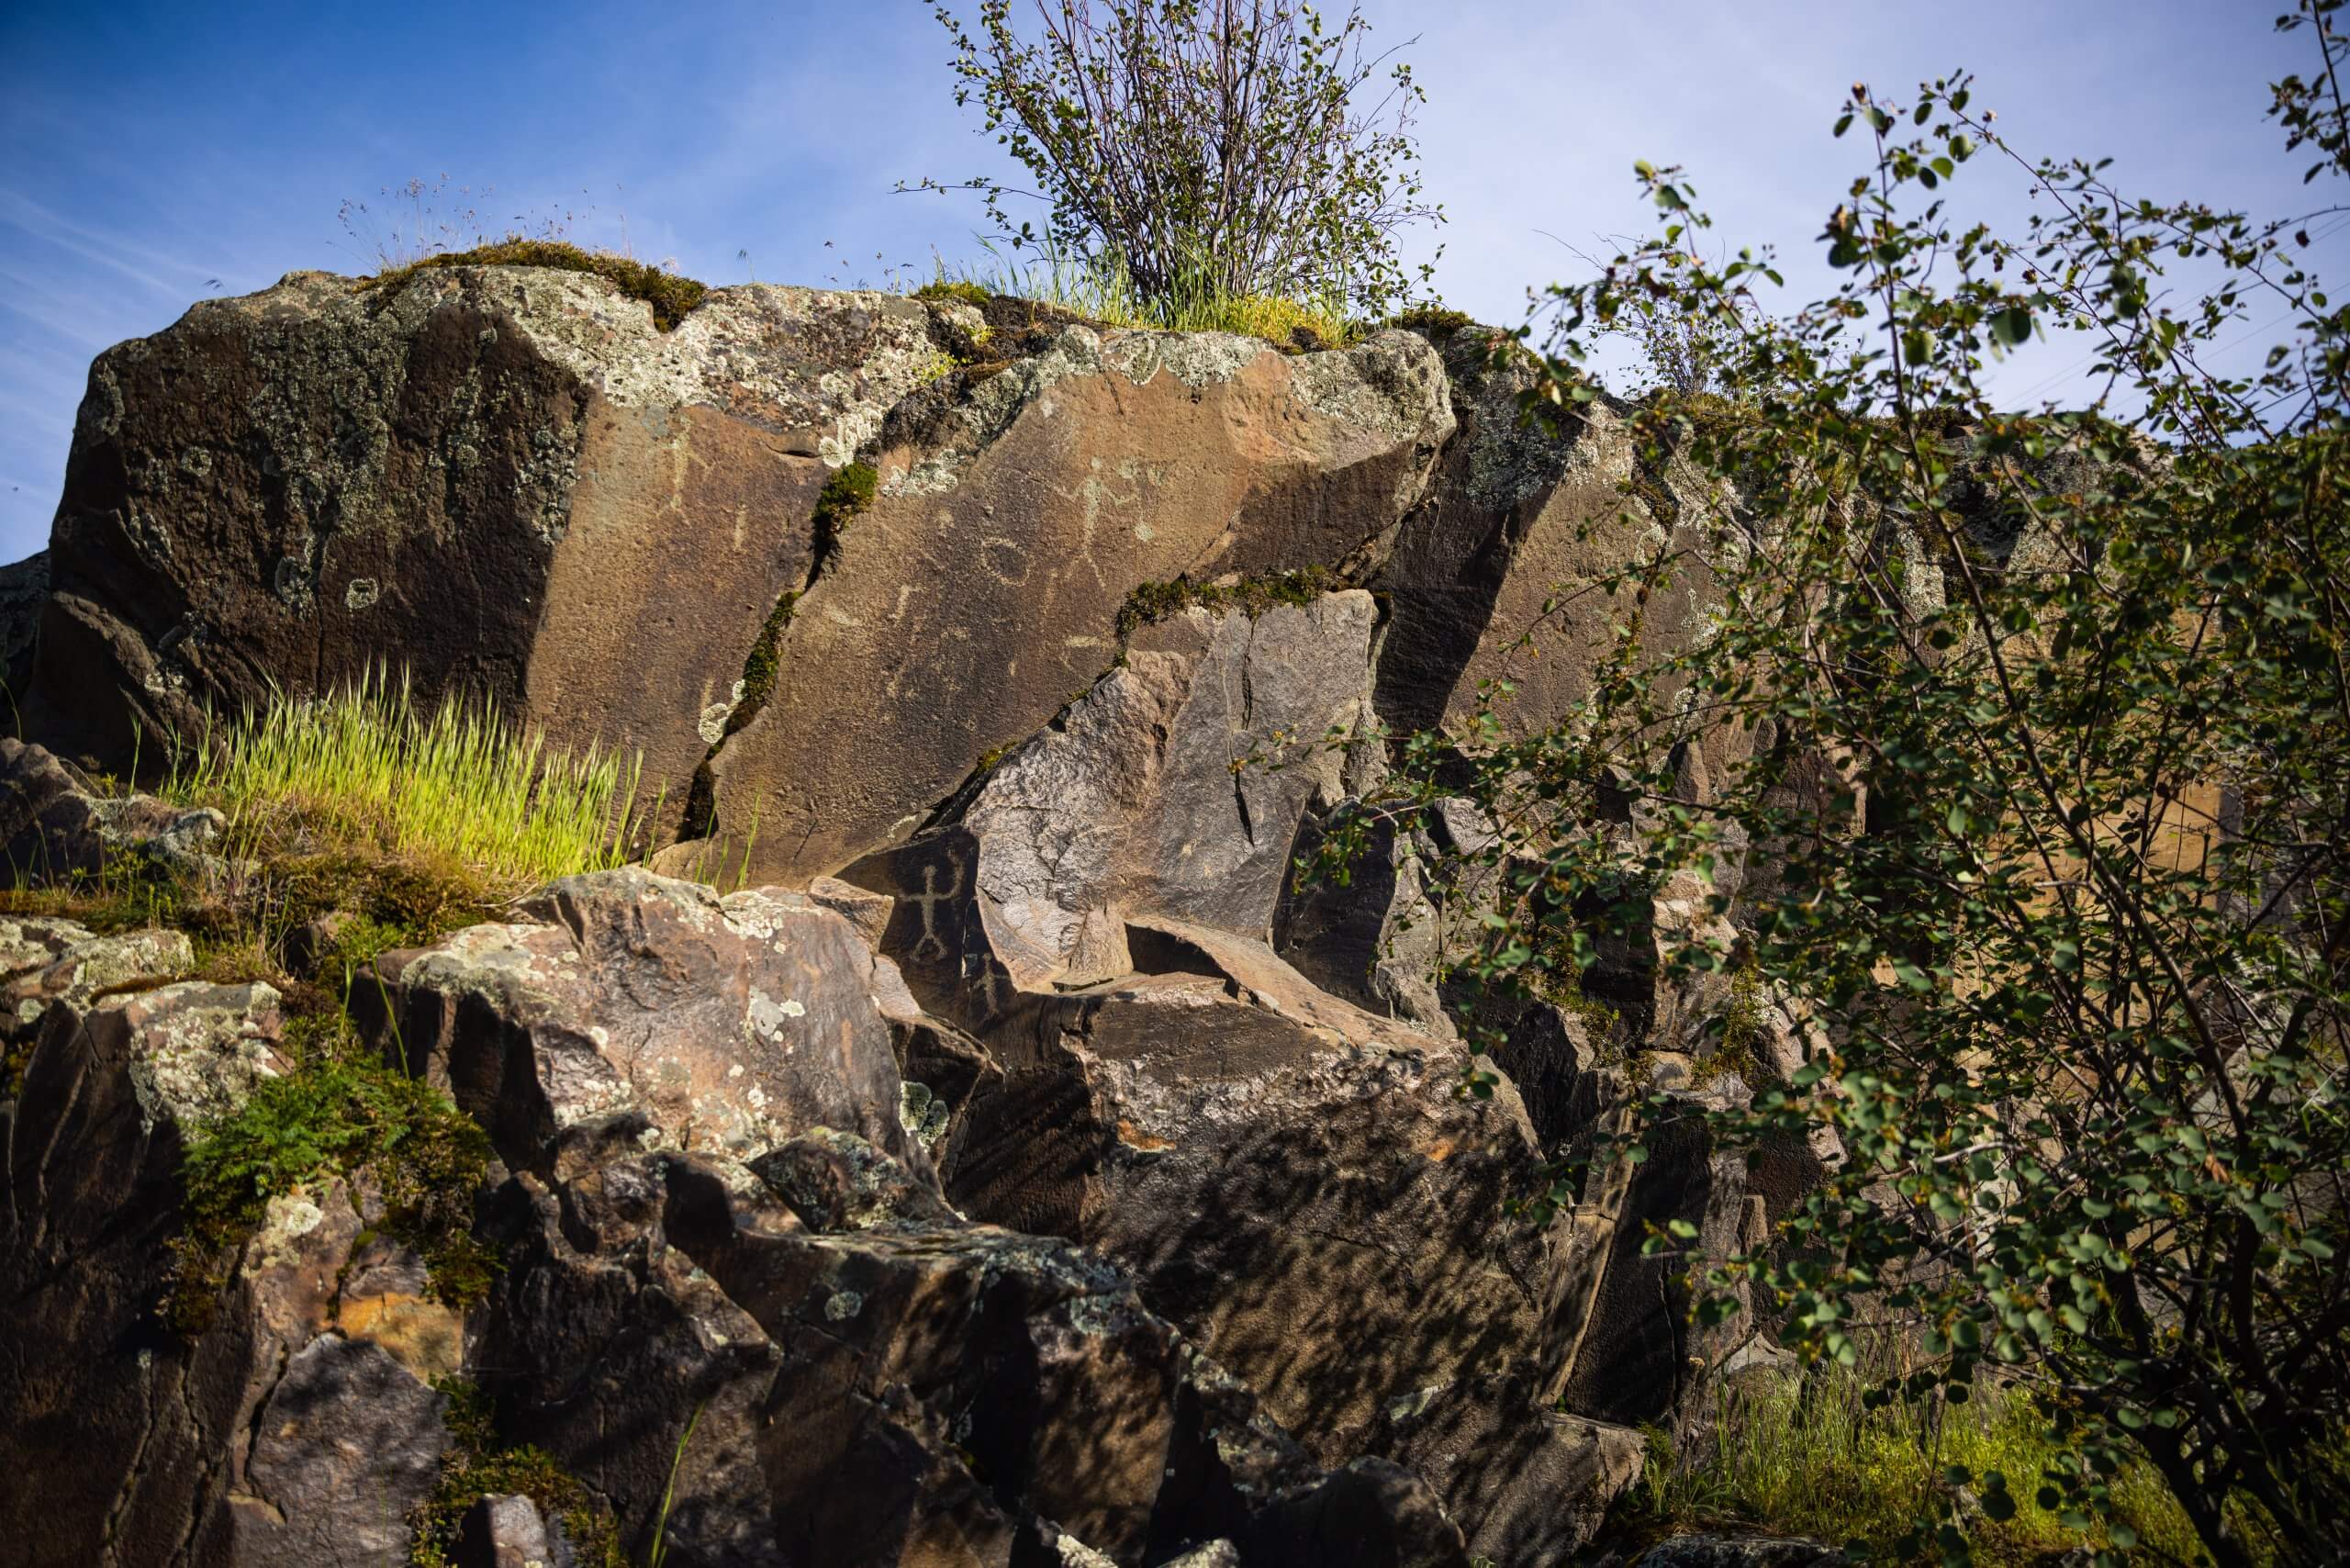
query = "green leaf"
{"x": 2012, "y": 326}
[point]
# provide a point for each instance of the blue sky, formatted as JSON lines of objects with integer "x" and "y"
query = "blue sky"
{"x": 152, "y": 155}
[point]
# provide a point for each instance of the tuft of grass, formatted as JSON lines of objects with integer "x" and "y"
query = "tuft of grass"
{"x": 479, "y": 1465}
{"x": 363, "y": 773}
{"x": 672, "y": 298}
{"x": 1251, "y": 595}
{"x": 1097, "y": 289}
{"x": 962, "y": 290}
{"x": 1816, "y": 1458}
{"x": 339, "y": 1111}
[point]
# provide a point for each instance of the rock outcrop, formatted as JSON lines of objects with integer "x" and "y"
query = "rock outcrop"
{"x": 1025, "y": 1167}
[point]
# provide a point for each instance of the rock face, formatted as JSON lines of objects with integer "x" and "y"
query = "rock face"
{"x": 504, "y": 481}
{"x": 983, "y": 584}
{"x": 1523, "y": 518}
{"x": 1025, "y": 1167}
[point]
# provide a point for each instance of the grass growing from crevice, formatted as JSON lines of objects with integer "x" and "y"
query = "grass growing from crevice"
{"x": 1098, "y": 290}
{"x": 1251, "y": 595}
{"x": 365, "y": 771}
{"x": 1814, "y": 1457}
{"x": 672, "y": 298}
{"x": 847, "y": 492}
{"x": 479, "y": 1465}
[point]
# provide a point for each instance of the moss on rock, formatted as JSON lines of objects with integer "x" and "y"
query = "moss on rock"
{"x": 1251, "y": 595}
{"x": 479, "y": 1465}
{"x": 671, "y": 296}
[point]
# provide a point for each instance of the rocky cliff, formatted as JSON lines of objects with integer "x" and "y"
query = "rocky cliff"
{"x": 1025, "y": 1167}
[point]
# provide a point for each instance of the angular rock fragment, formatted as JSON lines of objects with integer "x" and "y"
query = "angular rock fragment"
{"x": 54, "y": 831}
{"x": 725, "y": 1024}
{"x": 1173, "y": 788}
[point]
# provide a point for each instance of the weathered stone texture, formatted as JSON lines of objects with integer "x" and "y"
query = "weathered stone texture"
{"x": 982, "y": 587}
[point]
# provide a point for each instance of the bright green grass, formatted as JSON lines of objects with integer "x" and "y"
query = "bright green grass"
{"x": 366, "y": 766}
{"x": 1814, "y": 1459}
{"x": 1100, "y": 291}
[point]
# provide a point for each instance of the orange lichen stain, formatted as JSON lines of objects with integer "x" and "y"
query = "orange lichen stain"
{"x": 425, "y": 1337}
{"x": 1441, "y": 1150}
{"x": 1134, "y": 1136}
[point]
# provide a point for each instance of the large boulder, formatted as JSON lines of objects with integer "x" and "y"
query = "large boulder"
{"x": 984, "y": 584}
{"x": 1173, "y": 786}
{"x": 719, "y": 1024}
{"x": 506, "y": 480}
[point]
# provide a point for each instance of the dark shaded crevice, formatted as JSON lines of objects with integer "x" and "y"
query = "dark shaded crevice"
{"x": 846, "y": 494}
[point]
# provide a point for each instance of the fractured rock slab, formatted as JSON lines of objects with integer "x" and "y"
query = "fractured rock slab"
{"x": 726, "y": 1024}
{"x": 983, "y": 584}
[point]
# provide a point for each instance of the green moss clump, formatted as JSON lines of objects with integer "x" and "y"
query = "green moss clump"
{"x": 338, "y": 1110}
{"x": 671, "y": 296}
{"x": 1742, "y": 1025}
{"x": 1432, "y": 320}
{"x": 1251, "y": 595}
{"x": 848, "y": 492}
{"x": 761, "y": 664}
{"x": 477, "y": 1465}
{"x": 960, "y": 291}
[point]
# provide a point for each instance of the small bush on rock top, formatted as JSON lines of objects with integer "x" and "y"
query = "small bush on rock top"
{"x": 1201, "y": 152}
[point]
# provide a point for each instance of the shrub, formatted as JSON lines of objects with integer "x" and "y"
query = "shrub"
{"x": 2080, "y": 970}
{"x": 1202, "y": 151}
{"x": 1817, "y": 1457}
